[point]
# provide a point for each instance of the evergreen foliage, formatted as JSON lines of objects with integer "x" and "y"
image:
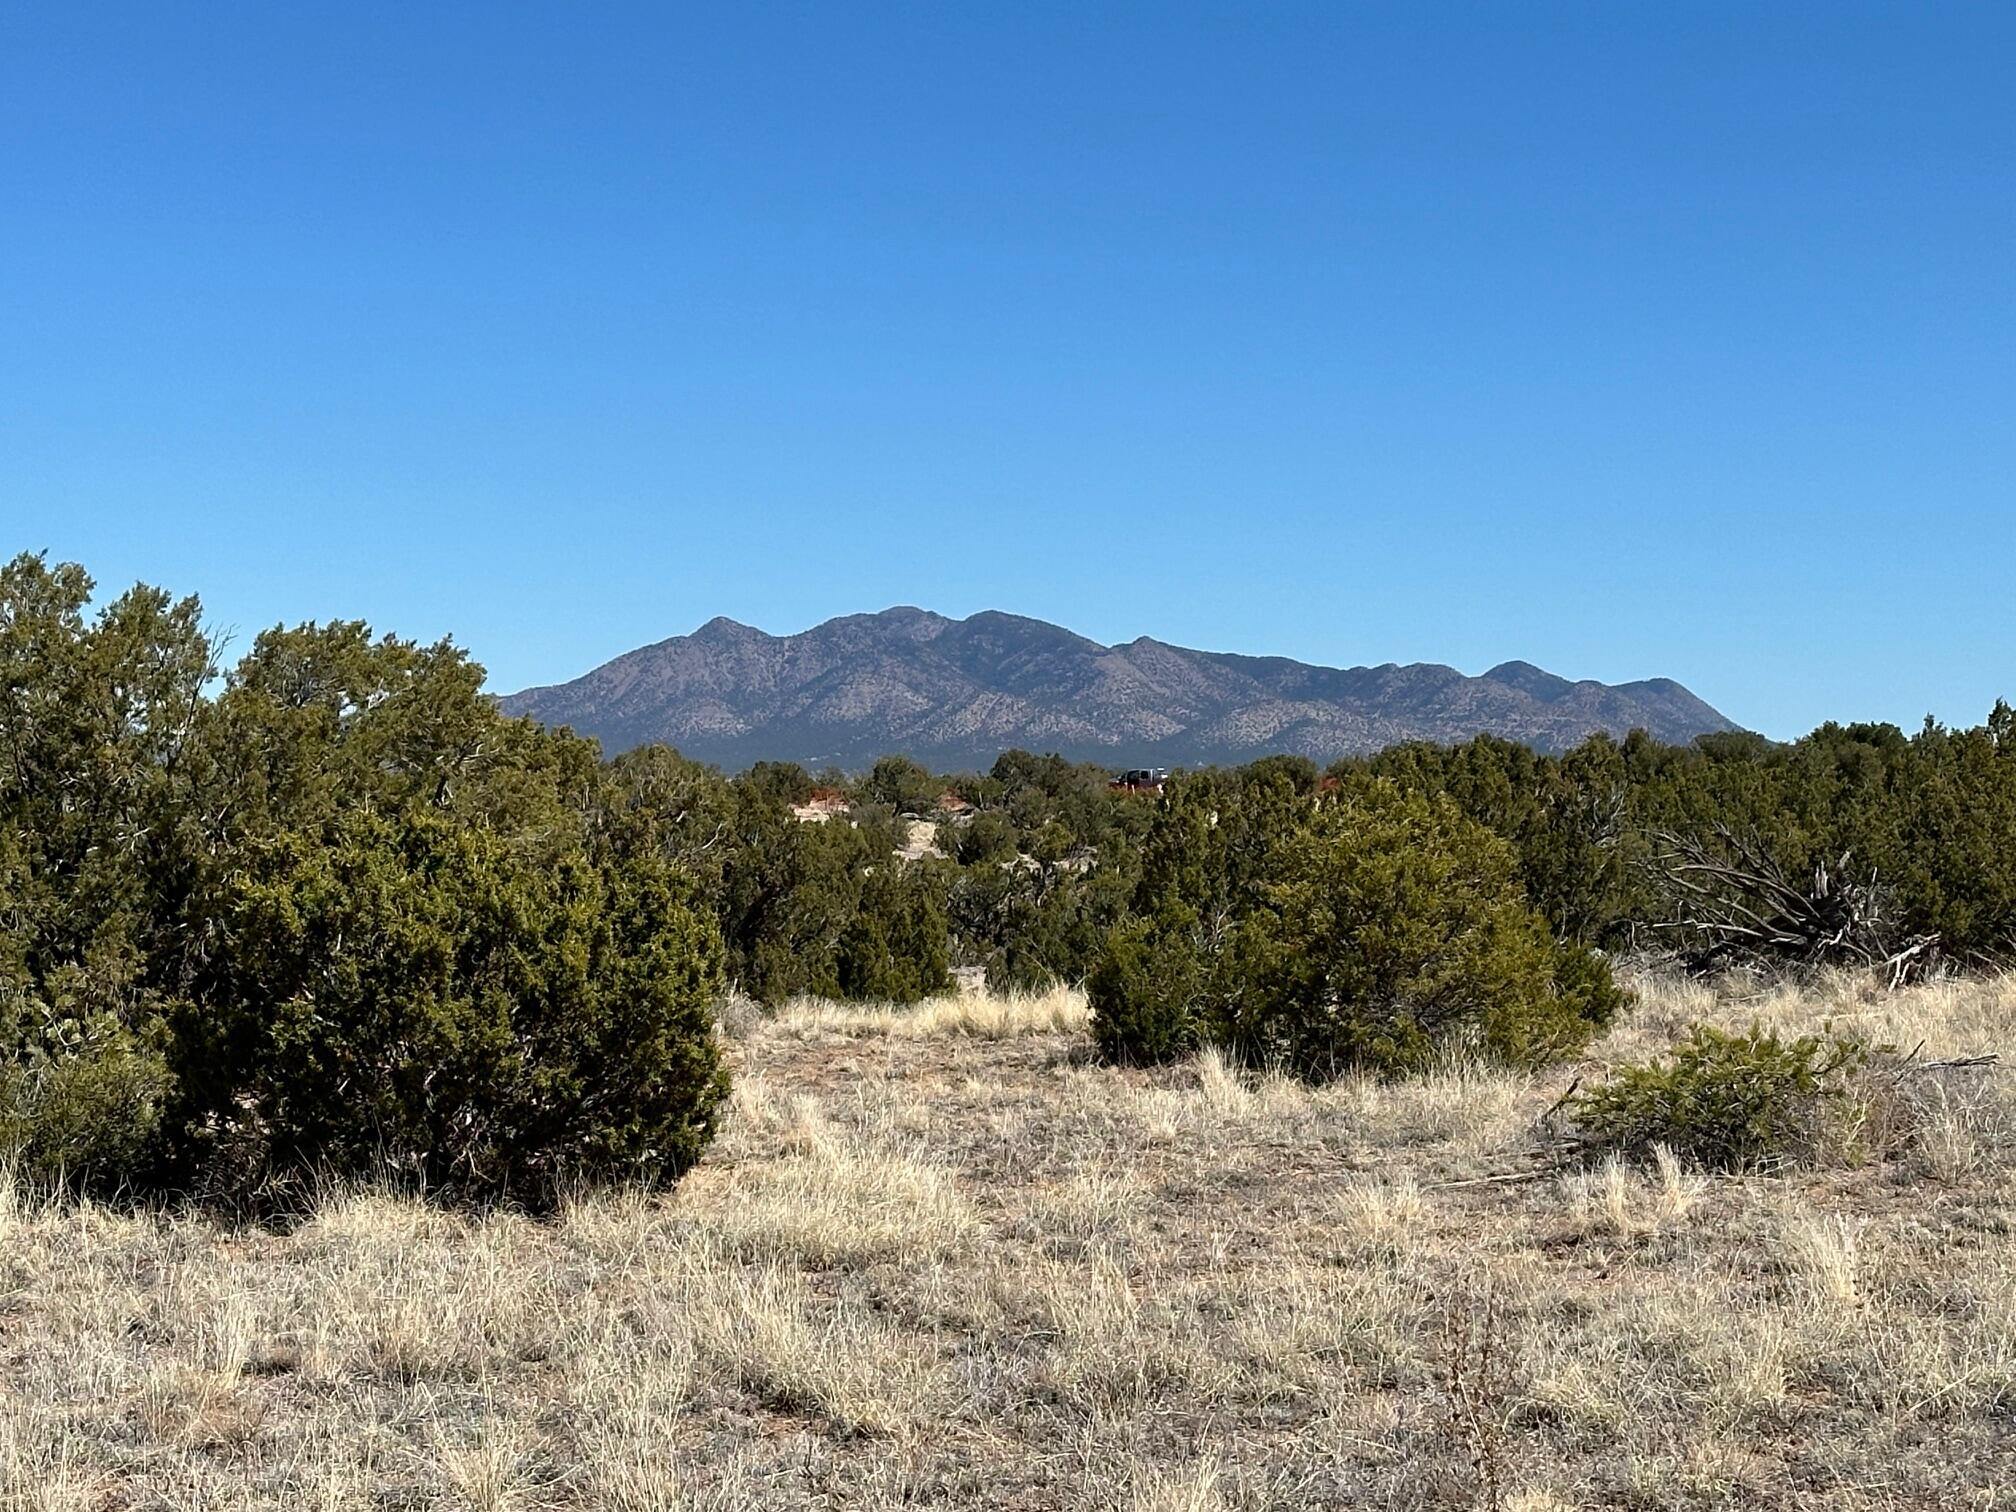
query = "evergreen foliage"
{"x": 328, "y": 909}
{"x": 336, "y": 913}
{"x": 1370, "y": 928}
{"x": 1928, "y": 819}
{"x": 1728, "y": 1101}
{"x": 895, "y": 948}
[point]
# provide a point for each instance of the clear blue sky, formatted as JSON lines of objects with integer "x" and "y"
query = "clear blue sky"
{"x": 1627, "y": 339}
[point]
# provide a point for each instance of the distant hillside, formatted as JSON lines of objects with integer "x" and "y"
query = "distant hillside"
{"x": 955, "y": 693}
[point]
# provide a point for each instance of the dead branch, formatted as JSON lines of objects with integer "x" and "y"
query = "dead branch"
{"x": 1736, "y": 904}
{"x": 1911, "y": 1067}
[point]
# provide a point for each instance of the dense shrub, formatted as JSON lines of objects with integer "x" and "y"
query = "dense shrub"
{"x": 789, "y": 894}
{"x": 825, "y": 908}
{"x": 901, "y": 785}
{"x": 988, "y": 836}
{"x": 1032, "y": 924}
{"x": 1565, "y": 817}
{"x": 1147, "y": 990}
{"x": 406, "y": 995}
{"x": 101, "y": 753}
{"x": 655, "y": 802}
{"x": 1731, "y": 1101}
{"x": 82, "y": 1102}
{"x": 895, "y": 948}
{"x": 1955, "y": 820}
{"x": 781, "y": 782}
{"x": 1399, "y": 933}
{"x": 337, "y": 913}
{"x": 1372, "y": 929}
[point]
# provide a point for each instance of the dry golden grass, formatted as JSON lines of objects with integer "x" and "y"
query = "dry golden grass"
{"x": 938, "y": 1257}
{"x": 979, "y": 1015}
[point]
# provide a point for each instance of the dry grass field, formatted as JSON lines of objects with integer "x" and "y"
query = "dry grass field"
{"x": 938, "y": 1257}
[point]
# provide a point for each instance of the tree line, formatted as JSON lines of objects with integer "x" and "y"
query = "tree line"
{"x": 325, "y": 911}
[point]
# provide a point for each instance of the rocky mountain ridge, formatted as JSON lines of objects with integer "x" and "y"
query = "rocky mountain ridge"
{"x": 955, "y": 693}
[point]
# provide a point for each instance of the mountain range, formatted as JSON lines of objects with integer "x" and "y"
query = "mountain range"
{"x": 955, "y": 693}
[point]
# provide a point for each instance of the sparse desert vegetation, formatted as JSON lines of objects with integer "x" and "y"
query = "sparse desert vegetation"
{"x": 1226, "y": 1059}
{"x": 938, "y": 1256}
{"x": 402, "y": 1106}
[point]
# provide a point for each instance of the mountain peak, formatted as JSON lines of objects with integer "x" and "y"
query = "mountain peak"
{"x": 955, "y": 693}
{"x": 1529, "y": 679}
{"x": 721, "y": 628}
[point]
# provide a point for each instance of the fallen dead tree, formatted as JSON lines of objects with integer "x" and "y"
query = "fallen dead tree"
{"x": 1735, "y": 905}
